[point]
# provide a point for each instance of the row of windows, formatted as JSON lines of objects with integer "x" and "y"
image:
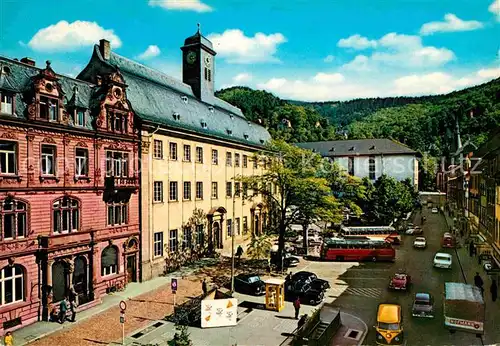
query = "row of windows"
{"x": 188, "y": 242}
{"x": 371, "y": 167}
{"x": 117, "y": 162}
{"x": 65, "y": 217}
{"x": 187, "y": 192}
{"x": 173, "y": 155}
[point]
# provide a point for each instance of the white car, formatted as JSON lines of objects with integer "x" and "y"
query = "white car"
{"x": 434, "y": 210}
{"x": 410, "y": 231}
{"x": 420, "y": 243}
{"x": 442, "y": 260}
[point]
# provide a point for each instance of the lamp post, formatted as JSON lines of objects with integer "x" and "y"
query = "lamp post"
{"x": 232, "y": 242}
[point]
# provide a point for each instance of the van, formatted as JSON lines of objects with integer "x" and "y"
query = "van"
{"x": 389, "y": 328}
{"x": 448, "y": 240}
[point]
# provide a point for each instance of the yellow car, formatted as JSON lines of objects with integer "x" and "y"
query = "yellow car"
{"x": 389, "y": 328}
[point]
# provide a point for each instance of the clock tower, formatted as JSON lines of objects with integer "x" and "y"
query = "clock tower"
{"x": 198, "y": 66}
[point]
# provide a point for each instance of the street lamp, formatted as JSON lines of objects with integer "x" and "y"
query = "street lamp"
{"x": 233, "y": 231}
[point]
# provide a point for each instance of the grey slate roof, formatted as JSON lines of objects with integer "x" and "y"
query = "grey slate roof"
{"x": 156, "y": 97}
{"x": 18, "y": 80}
{"x": 354, "y": 147}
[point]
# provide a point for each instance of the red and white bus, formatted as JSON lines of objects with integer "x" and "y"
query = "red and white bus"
{"x": 357, "y": 249}
{"x": 388, "y": 233}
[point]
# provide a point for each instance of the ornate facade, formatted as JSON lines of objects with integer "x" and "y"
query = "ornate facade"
{"x": 69, "y": 210}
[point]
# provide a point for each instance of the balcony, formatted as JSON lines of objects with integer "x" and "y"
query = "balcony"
{"x": 116, "y": 183}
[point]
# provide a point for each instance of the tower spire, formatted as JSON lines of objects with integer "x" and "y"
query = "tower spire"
{"x": 199, "y": 29}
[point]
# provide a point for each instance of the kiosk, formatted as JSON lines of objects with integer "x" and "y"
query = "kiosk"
{"x": 275, "y": 294}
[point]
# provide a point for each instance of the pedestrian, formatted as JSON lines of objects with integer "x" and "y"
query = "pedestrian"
{"x": 478, "y": 281}
{"x": 494, "y": 290}
{"x": 63, "y": 308}
{"x": 239, "y": 252}
{"x": 302, "y": 321}
{"x": 288, "y": 277}
{"x": 73, "y": 302}
{"x": 204, "y": 287}
{"x": 296, "y": 306}
{"x": 8, "y": 339}
{"x": 471, "y": 249}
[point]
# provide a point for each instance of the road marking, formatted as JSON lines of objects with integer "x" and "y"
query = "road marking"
{"x": 362, "y": 338}
{"x": 355, "y": 291}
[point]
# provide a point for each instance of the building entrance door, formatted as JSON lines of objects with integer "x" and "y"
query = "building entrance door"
{"x": 131, "y": 268}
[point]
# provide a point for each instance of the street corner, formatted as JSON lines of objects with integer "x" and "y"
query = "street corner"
{"x": 352, "y": 331}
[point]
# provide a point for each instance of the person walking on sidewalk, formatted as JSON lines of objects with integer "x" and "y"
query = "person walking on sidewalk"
{"x": 494, "y": 290}
{"x": 63, "y": 308}
{"x": 73, "y": 303}
{"x": 296, "y": 305}
{"x": 204, "y": 287}
{"x": 8, "y": 339}
{"x": 478, "y": 281}
{"x": 471, "y": 248}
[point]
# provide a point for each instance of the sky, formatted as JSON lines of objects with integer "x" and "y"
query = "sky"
{"x": 316, "y": 50}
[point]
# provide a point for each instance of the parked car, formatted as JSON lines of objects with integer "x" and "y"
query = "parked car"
{"x": 288, "y": 259}
{"x": 310, "y": 277}
{"x": 307, "y": 294}
{"x": 442, "y": 260}
{"x": 249, "y": 284}
{"x": 423, "y": 306}
{"x": 410, "y": 231}
{"x": 420, "y": 243}
{"x": 434, "y": 210}
{"x": 418, "y": 231}
{"x": 400, "y": 281}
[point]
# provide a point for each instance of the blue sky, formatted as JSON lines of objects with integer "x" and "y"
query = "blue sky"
{"x": 307, "y": 50}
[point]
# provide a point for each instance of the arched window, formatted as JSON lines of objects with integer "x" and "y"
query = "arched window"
{"x": 14, "y": 216}
{"x": 11, "y": 285}
{"x": 66, "y": 215}
{"x": 109, "y": 261}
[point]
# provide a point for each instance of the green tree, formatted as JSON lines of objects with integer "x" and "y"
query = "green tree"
{"x": 181, "y": 338}
{"x": 300, "y": 188}
{"x": 259, "y": 247}
{"x": 428, "y": 170}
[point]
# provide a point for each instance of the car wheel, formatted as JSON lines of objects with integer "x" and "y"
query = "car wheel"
{"x": 374, "y": 259}
{"x": 312, "y": 302}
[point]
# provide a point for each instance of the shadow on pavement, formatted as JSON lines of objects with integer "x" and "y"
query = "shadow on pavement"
{"x": 252, "y": 305}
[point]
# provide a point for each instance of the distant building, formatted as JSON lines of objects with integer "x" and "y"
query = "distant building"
{"x": 370, "y": 157}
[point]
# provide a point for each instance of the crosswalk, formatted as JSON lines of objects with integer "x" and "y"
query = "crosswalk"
{"x": 368, "y": 292}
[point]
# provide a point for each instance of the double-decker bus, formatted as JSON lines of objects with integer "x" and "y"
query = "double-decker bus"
{"x": 388, "y": 233}
{"x": 357, "y": 249}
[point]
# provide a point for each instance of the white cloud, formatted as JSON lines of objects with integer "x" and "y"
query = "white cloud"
{"x": 150, "y": 52}
{"x": 328, "y": 78}
{"x": 495, "y": 9}
{"x": 451, "y": 23}
{"x": 65, "y": 36}
{"x": 329, "y": 58}
{"x": 181, "y": 5}
{"x": 357, "y": 42}
{"x": 242, "y": 78}
{"x": 237, "y": 48}
{"x": 359, "y": 63}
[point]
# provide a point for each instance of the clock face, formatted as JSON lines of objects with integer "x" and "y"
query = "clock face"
{"x": 207, "y": 61}
{"x": 191, "y": 57}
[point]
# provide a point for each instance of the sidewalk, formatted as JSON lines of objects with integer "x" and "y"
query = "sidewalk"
{"x": 353, "y": 331}
{"x": 40, "y": 330}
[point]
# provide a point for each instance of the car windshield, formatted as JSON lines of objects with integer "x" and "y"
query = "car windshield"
{"x": 422, "y": 302}
{"x": 420, "y": 239}
{"x": 442, "y": 258}
{"x": 253, "y": 279}
{"x": 400, "y": 276}
{"x": 388, "y": 326}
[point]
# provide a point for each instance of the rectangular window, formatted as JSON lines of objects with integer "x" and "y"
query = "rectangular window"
{"x": 237, "y": 191}
{"x": 174, "y": 193}
{"x": 245, "y": 189}
{"x": 158, "y": 244}
{"x": 187, "y": 190}
{"x": 229, "y": 227}
{"x": 158, "y": 191}
{"x": 173, "y": 151}
{"x": 200, "y": 235}
{"x": 371, "y": 167}
{"x": 8, "y": 157}
{"x": 117, "y": 121}
{"x": 229, "y": 159}
{"x": 209, "y": 75}
{"x": 255, "y": 162}
{"x": 117, "y": 214}
{"x": 215, "y": 157}
{"x": 237, "y": 225}
{"x": 215, "y": 190}
{"x": 158, "y": 149}
{"x": 245, "y": 161}
{"x": 187, "y": 241}
{"x": 245, "y": 225}
{"x": 48, "y": 108}
{"x": 199, "y": 155}
{"x": 116, "y": 164}
{"x": 7, "y": 104}
{"x": 48, "y": 160}
{"x": 229, "y": 189}
{"x": 199, "y": 190}
{"x": 206, "y": 73}
{"x": 172, "y": 241}
{"x": 187, "y": 153}
{"x": 236, "y": 160}
{"x": 80, "y": 117}
{"x": 350, "y": 166}
{"x": 81, "y": 162}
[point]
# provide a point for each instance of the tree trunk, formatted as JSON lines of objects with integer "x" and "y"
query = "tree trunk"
{"x": 305, "y": 237}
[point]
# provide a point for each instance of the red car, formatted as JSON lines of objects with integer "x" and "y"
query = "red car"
{"x": 400, "y": 281}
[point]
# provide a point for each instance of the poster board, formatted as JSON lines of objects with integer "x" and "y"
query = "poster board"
{"x": 219, "y": 312}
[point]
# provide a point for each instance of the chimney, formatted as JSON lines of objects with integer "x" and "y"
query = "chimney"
{"x": 28, "y": 61}
{"x": 105, "y": 49}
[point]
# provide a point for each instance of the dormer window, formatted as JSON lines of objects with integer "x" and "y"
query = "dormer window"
{"x": 231, "y": 116}
{"x": 80, "y": 117}
{"x": 245, "y": 135}
{"x": 352, "y": 148}
{"x": 372, "y": 147}
{"x": 6, "y": 70}
{"x": 249, "y": 123}
{"x": 229, "y": 132}
{"x": 184, "y": 99}
{"x": 117, "y": 121}
{"x": 176, "y": 116}
{"x": 48, "y": 108}
{"x": 7, "y": 104}
{"x": 211, "y": 109}
{"x": 332, "y": 149}
{"x": 262, "y": 141}
{"x": 204, "y": 124}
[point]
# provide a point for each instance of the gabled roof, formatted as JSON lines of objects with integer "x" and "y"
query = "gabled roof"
{"x": 19, "y": 77}
{"x": 160, "y": 99}
{"x": 353, "y": 147}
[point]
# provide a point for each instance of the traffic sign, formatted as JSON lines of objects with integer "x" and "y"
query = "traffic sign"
{"x": 123, "y": 305}
{"x": 173, "y": 285}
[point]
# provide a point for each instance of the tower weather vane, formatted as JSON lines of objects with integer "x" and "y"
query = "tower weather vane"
{"x": 199, "y": 27}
